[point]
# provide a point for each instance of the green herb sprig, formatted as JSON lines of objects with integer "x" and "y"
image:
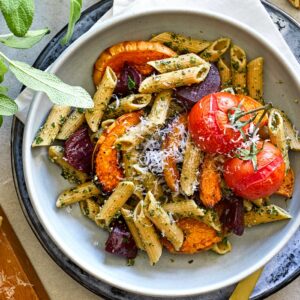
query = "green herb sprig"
{"x": 18, "y": 15}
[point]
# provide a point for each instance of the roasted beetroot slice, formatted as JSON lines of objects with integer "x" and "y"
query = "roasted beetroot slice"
{"x": 232, "y": 216}
{"x": 189, "y": 95}
{"x": 129, "y": 81}
{"x": 79, "y": 150}
{"x": 120, "y": 241}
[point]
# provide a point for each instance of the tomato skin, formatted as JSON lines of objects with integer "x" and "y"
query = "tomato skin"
{"x": 209, "y": 125}
{"x": 245, "y": 182}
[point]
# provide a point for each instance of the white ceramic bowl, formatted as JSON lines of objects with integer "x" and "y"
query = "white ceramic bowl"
{"x": 77, "y": 237}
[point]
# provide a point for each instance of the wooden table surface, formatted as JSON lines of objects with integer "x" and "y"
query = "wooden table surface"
{"x": 58, "y": 284}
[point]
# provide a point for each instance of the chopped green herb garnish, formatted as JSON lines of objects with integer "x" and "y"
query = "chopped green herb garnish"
{"x": 131, "y": 83}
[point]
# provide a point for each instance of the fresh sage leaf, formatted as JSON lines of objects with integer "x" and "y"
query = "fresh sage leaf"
{"x": 75, "y": 12}
{"x": 18, "y": 15}
{"x": 58, "y": 91}
{"x": 3, "y": 90}
{"x": 27, "y": 41}
{"x": 3, "y": 69}
{"x": 8, "y": 106}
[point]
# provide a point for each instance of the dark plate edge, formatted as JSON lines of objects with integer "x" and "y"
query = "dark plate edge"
{"x": 15, "y": 122}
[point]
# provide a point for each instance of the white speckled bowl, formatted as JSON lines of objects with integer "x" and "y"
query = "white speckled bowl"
{"x": 76, "y": 236}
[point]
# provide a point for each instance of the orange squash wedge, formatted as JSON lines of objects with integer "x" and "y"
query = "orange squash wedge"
{"x": 135, "y": 53}
{"x": 287, "y": 187}
{"x": 198, "y": 236}
{"x": 169, "y": 147}
{"x": 107, "y": 168}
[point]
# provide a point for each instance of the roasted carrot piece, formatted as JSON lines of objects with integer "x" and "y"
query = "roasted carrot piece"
{"x": 170, "y": 146}
{"x": 287, "y": 187}
{"x": 210, "y": 182}
{"x": 107, "y": 169}
{"x": 198, "y": 236}
{"x": 135, "y": 53}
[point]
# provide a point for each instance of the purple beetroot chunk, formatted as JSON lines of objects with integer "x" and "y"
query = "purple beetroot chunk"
{"x": 129, "y": 81}
{"x": 79, "y": 150}
{"x": 120, "y": 241}
{"x": 232, "y": 216}
{"x": 189, "y": 95}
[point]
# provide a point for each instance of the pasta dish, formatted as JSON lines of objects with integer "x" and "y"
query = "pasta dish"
{"x": 180, "y": 150}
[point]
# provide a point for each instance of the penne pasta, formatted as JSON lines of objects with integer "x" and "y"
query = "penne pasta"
{"x": 259, "y": 202}
{"x": 295, "y": 3}
{"x": 211, "y": 219}
{"x": 177, "y": 63}
{"x": 147, "y": 233}
{"x": 180, "y": 43}
{"x": 225, "y": 74}
{"x": 216, "y": 49}
{"x": 255, "y": 70}
{"x": 101, "y": 99}
{"x": 127, "y": 104}
{"x": 171, "y": 80}
{"x": 73, "y": 122}
{"x": 265, "y": 214}
{"x": 89, "y": 208}
{"x": 80, "y": 192}
{"x": 56, "y": 155}
{"x": 184, "y": 208}
{"x": 50, "y": 129}
{"x": 128, "y": 217}
{"x": 190, "y": 167}
{"x": 238, "y": 68}
{"x": 222, "y": 247}
{"x": 277, "y": 134}
{"x": 146, "y": 127}
{"x": 114, "y": 203}
{"x": 247, "y": 205}
{"x": 291, "y": 134}
{"x": 163, "y": 222}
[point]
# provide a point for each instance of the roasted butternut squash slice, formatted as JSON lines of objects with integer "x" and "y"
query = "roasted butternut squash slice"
{"x": 287, "y": 187}
{"x": 135, "y": 53}
{"x": 170, "y": 147}
{"x": 107, "y": 168}
{"x": 210, "y": 182}
{"x": 197, "y": 236}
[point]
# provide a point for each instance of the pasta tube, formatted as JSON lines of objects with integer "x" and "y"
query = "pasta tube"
{"x": 277, "y": 134}
{"x": 50, "y": 129}
{"x": 80, "y": 192}
{"x": 216, "y": 49}
{"x": 146, "y": 127}
{"x": 73, "y": 122}
{"x": 171, "y": 80}
{"x": 177, "y": 63}
{"x": 163, "y": 222}
{"x": 211, "y": 219}
{"x": 190, "y": 167}
{"x": 265, "y": 214}
{"x": 222, "y": 247}
{"x": 170, "y": 146}
{"x": 56, "y": 155}
{"x": 185, "y": 208}
{"x": 128, "y": 217}
{"x": 101, "y": 99}
{"x": 115, "y": 202}
{"x": 225, "y": 74}
{"x": 291, "y": 134}
{"x": 148, "y": 234}
{"x": 238, "y": 68}
{"x": 127, "y": 104}
{"x": 180, "y": 43}
{"x": 255, "y": 70}
{"x": 89, "y": 208}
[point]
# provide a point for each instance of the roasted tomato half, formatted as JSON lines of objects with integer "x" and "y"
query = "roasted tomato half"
{"x": 209, "y": 124}
{"x": 252, "y": 184}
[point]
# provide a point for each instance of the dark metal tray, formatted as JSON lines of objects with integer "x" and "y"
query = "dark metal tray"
{"x": 279, "y": 272}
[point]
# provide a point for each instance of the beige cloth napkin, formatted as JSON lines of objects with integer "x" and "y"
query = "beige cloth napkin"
{"x": 250, "y": 12}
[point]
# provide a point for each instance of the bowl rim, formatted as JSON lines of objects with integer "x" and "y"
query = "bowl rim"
{"x": 106, "y": 25}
